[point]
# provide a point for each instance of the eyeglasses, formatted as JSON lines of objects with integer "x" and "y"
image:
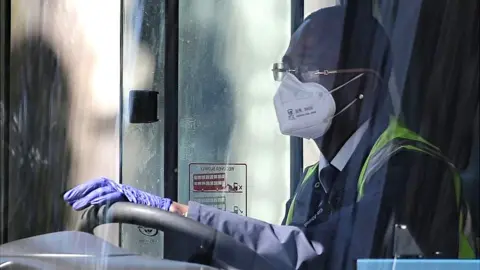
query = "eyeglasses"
{"x": 304, "y": 74}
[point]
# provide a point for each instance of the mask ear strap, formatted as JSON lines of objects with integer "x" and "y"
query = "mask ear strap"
{"x": 349, "y": 81}
{"x": 360, "y": 97}
{"x": 353, "y": 70}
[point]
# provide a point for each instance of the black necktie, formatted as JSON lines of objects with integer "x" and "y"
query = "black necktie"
{"x": 327, "y": 178}
{"x": 324, "y": 189}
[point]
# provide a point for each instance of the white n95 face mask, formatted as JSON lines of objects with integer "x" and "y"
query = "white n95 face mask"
{"x": 303, "y": 109}
{"x": 306, "y": 110}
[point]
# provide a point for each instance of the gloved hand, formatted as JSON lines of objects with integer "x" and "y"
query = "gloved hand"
{"x": 103, "y": 190}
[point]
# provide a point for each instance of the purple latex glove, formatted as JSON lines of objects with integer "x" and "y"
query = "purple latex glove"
{"x": 103, "y": 190}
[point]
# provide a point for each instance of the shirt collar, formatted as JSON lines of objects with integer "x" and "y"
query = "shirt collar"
{"x": 346, "y": 152}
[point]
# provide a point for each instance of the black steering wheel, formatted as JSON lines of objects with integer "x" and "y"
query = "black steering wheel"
{"x": 150, "y": 217}
{"x": 214, "y": 242}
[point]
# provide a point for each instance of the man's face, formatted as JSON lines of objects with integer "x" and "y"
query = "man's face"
{"x": 314, "y": 46}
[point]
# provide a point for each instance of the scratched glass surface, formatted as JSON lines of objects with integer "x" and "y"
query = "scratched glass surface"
{"x": 63, "y": 104}
{"x": 61, "y": 115}
{"x": 142, "y": 145}
{"x": 225, "y": 109}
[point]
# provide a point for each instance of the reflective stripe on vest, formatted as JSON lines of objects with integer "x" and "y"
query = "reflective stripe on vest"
{"x": 395, "y": 138}
{"x": 309, "y": 173}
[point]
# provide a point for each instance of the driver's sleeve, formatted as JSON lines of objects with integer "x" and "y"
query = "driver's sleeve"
{"x": 284, "y": 247}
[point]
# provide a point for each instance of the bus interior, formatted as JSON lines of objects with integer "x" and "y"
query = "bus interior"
{"x": 174, "y": 97}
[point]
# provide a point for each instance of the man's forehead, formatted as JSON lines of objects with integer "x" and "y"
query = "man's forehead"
{"x": 318, "y": 38}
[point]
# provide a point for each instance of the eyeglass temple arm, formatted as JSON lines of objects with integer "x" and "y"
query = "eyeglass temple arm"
{"x": 351, "y": 70}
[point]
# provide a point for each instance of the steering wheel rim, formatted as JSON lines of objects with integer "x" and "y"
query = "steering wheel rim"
{"x": 150, "y": 217}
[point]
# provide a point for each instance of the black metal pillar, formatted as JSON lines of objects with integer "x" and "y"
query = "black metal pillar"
{"x": 171, "y": 99}
{"x": 171, "y": 110}
{"x": 296, "y": 144}
{"x": 5, "y": 12}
